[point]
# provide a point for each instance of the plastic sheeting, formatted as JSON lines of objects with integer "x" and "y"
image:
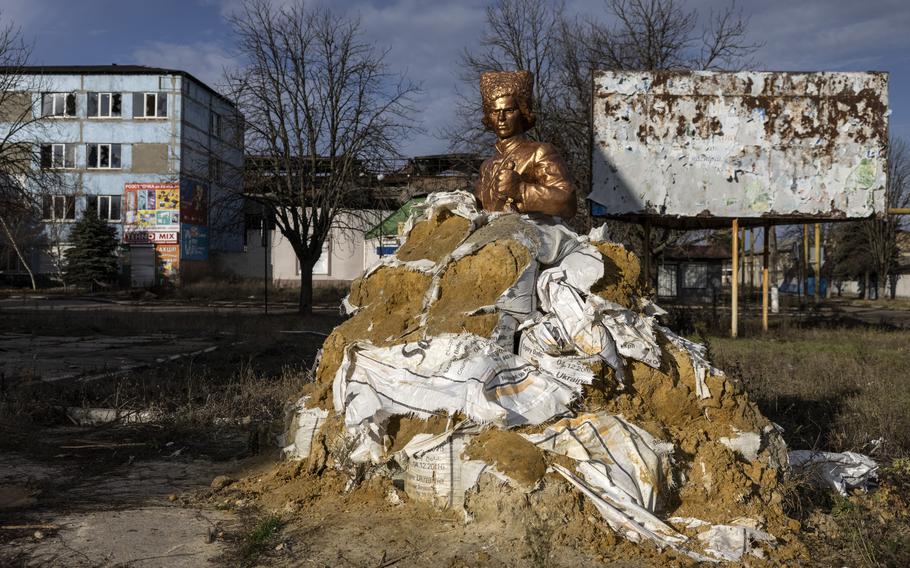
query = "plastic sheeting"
{"x": 840, "y": 472}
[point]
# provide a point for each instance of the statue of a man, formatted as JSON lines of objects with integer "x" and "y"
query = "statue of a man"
{"x": 524, "y": 176}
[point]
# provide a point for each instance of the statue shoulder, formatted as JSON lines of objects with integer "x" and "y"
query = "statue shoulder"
{"x": 544, "y": 149}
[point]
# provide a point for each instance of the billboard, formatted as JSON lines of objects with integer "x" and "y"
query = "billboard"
{"x": 152, "y": 213}
{"x": 713, "y": 145}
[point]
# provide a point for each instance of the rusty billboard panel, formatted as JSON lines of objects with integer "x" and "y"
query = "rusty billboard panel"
{"x": 749, "y": 145}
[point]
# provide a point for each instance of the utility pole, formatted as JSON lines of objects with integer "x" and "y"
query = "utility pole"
{"x": 265, "y": 258}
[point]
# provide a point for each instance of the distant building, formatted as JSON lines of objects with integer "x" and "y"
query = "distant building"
{"x": 693, "y": 273}
{"x": 155, "y": 152}
{"x": 388, "y": 194}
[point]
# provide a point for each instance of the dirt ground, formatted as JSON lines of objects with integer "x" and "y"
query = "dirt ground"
{"x": 143, "y": 494}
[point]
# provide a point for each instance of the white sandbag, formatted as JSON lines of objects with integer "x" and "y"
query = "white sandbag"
{"x": 440, "y": 475}
{"x": 732, "y": 542}
{"x": 575, "y": 370}
{"x": 452, "y": 373}
{"x": 628, "y": 457}
{"x": 632, "y": 332}
{"x": 633, "y": 523}
{"x": 461, "y": 203}
{"x": 304, "y": 425}
{"x": 840, "y": 472}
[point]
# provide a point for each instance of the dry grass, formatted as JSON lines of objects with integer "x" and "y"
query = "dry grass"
{"x": 837, "y": 390}
{"x": 833, "y": 389}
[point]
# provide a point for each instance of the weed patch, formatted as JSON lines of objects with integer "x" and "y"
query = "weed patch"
{"x": 259, "y": 538}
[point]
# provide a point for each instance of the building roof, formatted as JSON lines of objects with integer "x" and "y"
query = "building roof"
{"x": 698, "y": 252}
{"x": 389, "y": 225}
{"x": 112, "y": 69}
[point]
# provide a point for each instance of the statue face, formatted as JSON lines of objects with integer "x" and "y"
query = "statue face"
{"x": 505, "y": 117}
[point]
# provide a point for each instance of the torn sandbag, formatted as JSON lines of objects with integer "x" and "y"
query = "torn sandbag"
{"x": 453, "y": 373}
{"x": 732, "y": 542}
{"x": 633, "y": 523}
{"x": 629, "y": 458}
{"x": 632, "y": 332}
{"x": 746, "y": 444}
{"x": 437, "y": 472}
{"x": 698, "y": 354}
{"x": 304, "y": 426}
{"x": 843, "y": 471}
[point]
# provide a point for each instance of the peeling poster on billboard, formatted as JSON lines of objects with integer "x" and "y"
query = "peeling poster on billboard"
{"x": 739, "y": 145}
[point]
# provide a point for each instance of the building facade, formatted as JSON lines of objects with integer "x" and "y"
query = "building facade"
{"x": 155, "y": 152}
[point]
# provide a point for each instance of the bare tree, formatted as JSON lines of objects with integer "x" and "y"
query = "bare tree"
{"x": 319, "y": 104}
{"x": 563, "y": 51}
{"x": 879, "y": 234}
{"x": 24, "y": 181}
{"x": 15, "y": 157}
{"x": 869, "y": 247}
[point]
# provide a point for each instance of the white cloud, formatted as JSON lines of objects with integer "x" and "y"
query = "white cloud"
{"x": 206, "y": 60}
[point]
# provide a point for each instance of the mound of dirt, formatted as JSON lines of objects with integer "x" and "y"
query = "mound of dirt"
{"x": 434, "y": 238}
{"x": 660, "y": 443}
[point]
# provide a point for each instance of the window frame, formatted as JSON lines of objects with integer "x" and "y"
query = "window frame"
{"x": 66, "y": 97}
{"x": 65, "y": 153}
{"x": 110, "y": 156}
{"x": 214, "y": 170}
{"x": 68, "y": 208}
{"x": 158, "y": 96}
{"x": 109, "y": 199}
{"x": 215, "y": 124}
{"x": 695, "y": 271}
{"x": 110, "y": 104}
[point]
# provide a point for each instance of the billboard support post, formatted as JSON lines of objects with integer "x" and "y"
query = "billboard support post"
{"x": 818, "y": 261}
{"x": 734, "y": 300}
{"x": 764, "y": 279}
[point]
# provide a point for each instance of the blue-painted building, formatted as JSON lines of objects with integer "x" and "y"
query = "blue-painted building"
{"x": 156, "y": 152}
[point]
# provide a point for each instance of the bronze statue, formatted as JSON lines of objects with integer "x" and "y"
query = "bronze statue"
{"x": 524, "y": 176}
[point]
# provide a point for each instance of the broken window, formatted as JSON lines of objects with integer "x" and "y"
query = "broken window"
{"x": 150, "y": 105}
{"x": 58, "y": 104}
{"x": 106, "y": 207}
{"x": 215, "y": 125}
{"x": 695, "y": 275}
{"x": 58, "y": 208}
{"x": 58, "y": 156}
{"x": 104, "y": 105}
{"x": 214, "y": 170}
{"x": 102, "y": 156}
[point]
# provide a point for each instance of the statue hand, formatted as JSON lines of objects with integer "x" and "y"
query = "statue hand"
{"x": 507, "y": 184}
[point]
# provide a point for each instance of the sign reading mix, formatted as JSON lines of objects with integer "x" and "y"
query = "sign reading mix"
{"x": 152, "y": 213}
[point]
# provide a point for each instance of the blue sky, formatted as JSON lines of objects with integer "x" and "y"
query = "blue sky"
{"x": 425, "y": 38}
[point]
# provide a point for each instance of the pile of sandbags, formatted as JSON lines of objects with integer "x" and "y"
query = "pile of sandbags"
{"x": 502, "y": 349}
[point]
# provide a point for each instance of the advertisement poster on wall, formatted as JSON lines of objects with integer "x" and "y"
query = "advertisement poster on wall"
{"x": 194, "y": 203}
{"x": 167, "y": 264}
{"x": 194, "y": 241}
{"x": 152, "y": 213}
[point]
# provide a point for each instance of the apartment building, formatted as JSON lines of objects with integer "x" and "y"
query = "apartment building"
{"x": 155, "y": 152}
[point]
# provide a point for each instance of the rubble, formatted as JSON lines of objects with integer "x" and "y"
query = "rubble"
{"x": 499, "y": 350}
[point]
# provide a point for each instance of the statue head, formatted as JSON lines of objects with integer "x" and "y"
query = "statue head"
{"x": 507, "y": 102}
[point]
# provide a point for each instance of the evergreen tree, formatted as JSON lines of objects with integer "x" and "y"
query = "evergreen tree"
{"x": 90, "y": 259}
